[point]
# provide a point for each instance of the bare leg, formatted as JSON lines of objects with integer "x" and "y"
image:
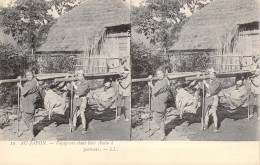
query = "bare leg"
{"x": 207, "y": 120}
{"x": 83, "y": 118}
{"x": 75, "y": 119}
{"x": 31, "y": 129}
{"x": 162, "y": 129}
{"x": 215, "y": 117}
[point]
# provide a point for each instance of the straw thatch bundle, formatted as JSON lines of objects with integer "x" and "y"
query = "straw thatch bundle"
{"x": 84, "y": 25}
{"x": 213, "y": 25}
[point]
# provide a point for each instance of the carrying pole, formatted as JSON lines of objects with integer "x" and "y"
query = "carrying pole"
{"x": 203, "y": 106}
{"x": 18, "y": 108}
{"x": 71, "y": 109}
{"x": 248, "y": 99}
{"x": 149, "y": 116}
{"x": 117, "y": 90}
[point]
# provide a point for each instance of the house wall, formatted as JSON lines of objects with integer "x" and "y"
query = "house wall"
{"x": 239, "y": 56}
{"x": 106, "y": 57}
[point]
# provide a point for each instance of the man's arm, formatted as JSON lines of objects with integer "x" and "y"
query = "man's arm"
{"x": 29, "y": 88}
{"x": 83, "y": 89}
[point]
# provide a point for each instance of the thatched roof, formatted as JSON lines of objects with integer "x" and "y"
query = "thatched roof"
{"x": 207, "y": 28}
{"x": 85, "y": 24}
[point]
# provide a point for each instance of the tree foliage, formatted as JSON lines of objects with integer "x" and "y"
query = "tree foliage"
{"x": 161, "y": 20}
{"x": 143, "y": 64}
{"x": 63, "y": 6}
{"x": 25, "y": 20}
{"x": 11, "y": 66}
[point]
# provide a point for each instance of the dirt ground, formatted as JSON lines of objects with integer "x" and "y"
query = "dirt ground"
{"x": 100, "y": 127}
{"x": 234, "y": 126}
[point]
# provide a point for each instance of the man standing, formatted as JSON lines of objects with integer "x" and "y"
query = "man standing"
{"x": 213, "y": 87}
{"x": 254, "y": 93}
{"x": 124, "y": 93}
{"x": 80, "y": 101}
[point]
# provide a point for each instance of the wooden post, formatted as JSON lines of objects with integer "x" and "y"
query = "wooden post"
{"x": 248, "y": 97}
{"x": 149, "y": 110}
{"x": 203, "y": 107}
{"x": 18, "y": 109}
{"x": 117, "y": 87}
{"x": 71, "y": 109}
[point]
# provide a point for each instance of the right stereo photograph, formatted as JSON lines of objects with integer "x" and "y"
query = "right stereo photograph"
{"x": 195, "y": 70}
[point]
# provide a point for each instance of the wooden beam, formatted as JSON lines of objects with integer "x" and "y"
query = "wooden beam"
{"x": 90, "y": 76}
{"x": 39, "y": 77}
{"x": 221, "y": 75}
{"x": 171, "y": 76}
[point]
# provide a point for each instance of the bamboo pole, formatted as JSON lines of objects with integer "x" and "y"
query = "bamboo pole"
{"x": 248, "y": 107}
{"x": 18, "y": 109}
{"x": 71, "y": 109}
{"x": 38, "y": 77}
{"x": 203, "y": 106}
{"x": 170, "y": 76}
{"x": 117, "y": 90}
{"x": 149, "y": 116}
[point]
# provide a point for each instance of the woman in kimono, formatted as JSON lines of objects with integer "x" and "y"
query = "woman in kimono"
{"x": 235, "y": 96}
{"x": 107, "y": 97}
{"x": 29, "y": 94}
{"x": 158, "y": 101}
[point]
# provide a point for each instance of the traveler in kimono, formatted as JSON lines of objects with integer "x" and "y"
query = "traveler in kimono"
{"x": 158, "y": 101}
{"x": 55, "y": 98}
{"x": 236, "y": 95}
{"x": 254, "y": 93}
{"x": 213, "y": 87}
{"x": 80, "y": 101}
{"x": 29, "y": 95}
{"x": 124, "y": 93}
{"x": 107, "y": 97}
{"x": 187, "y": 98}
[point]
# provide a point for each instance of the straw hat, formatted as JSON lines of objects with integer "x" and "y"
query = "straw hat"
{"x": 80, "y": 72}
{"x": 212, "y": 70}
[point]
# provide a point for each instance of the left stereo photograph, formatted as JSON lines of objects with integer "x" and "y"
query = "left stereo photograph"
{"x": 65, "y": 70}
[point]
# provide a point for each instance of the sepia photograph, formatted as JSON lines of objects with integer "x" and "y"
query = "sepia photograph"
{"x": 123, "y": 81}
{"x": 195, "y": 70}
{"x": 65, "y": 70}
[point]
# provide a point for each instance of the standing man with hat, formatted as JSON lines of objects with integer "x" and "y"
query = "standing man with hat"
{"x": 124, "y": 93}
{"x": 254, "y": 93}
{"x": 80, "y": 100}
{"x": 213, "y": 87}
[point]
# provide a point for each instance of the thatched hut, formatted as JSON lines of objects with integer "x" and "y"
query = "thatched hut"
{"x": 227, "y": 31}
{"x": 96, "y": 33}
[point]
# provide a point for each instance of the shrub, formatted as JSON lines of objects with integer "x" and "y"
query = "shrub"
{"x": 143, "y": 64}
{"x": 12, "y": 65}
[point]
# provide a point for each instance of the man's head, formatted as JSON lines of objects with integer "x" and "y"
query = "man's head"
{"x": 239, "y": 80}
{"x": 29, "y": 74}
{"x": 80, "y": 74}
{"x": 107, "y": 82}
{"x": 212, "y": 73}
{"x": 125, "y": 73}
{"x": 160, "y": 73}
{"x": 178, "y": 87}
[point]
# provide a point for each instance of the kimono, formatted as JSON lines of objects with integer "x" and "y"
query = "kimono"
{"x": 234, "y": 97}
{"x": 54, "y": 102}
{"x": 213, "y": 91}
{"x": 159, "y": 98}
{"x": 187, "y": 98}
{"x": 186, "y": 102}
{"x": 105, "y": 98}
{"x": 29, "y": 95}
